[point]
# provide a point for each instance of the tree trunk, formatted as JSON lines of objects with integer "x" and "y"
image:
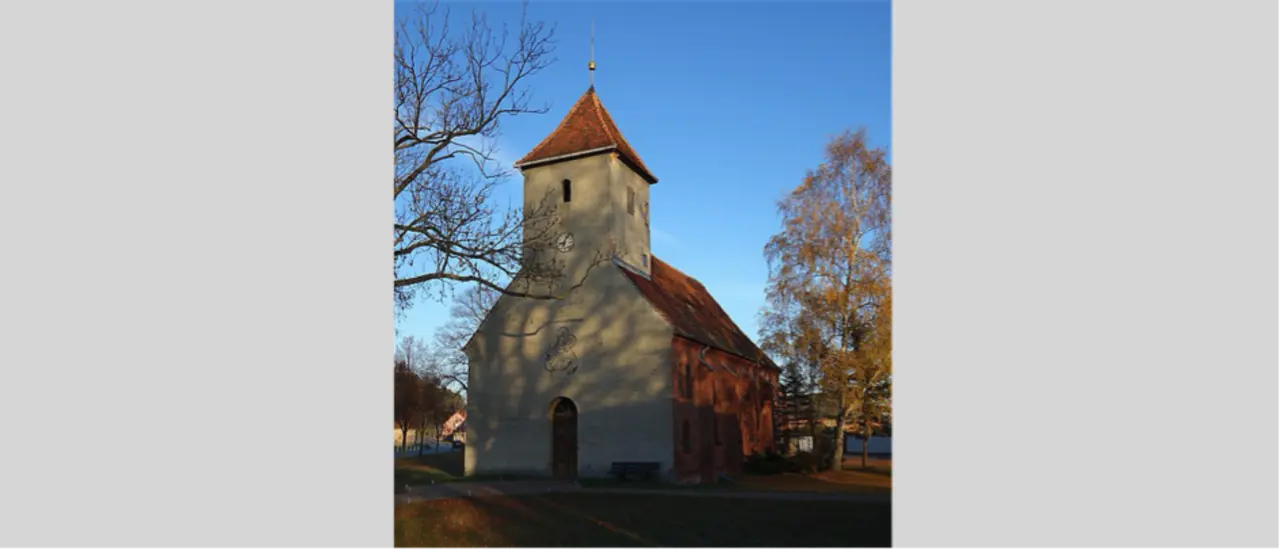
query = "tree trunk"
{"x": 812, "y": 418}
{"x": 866, "y": 438}
{"x": 786, "y": 441}
{"x": 837, "y": 453}
{"x": 404, "y": 439}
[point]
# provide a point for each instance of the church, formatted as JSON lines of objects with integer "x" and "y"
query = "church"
{"x": 633, "y": 361}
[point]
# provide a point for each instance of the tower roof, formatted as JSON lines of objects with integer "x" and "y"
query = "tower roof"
{"x": 587, "y": 129}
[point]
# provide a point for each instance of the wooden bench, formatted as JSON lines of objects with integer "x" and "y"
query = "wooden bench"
{"x": 642, "y": 469}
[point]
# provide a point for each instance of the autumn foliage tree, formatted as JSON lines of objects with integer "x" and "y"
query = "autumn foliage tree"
{"x": 406, "y": 405}
{"x": 435, "y": 404}
{"x": 830, "y": 283}
{"x": 421, "y": 398}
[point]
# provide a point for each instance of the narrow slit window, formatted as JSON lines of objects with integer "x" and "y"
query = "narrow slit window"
{"x": 631, "y": 201}
{"x": 688, "y": 381}
{"x": 715, "y": 418}
{"x": 566, "y": 189}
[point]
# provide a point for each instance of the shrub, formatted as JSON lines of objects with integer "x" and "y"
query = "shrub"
{"x": 768, "y": 463}
{"x": 804, "y": 462}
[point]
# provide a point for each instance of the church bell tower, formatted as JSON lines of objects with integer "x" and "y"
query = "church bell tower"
{"x": 588, "y": 192}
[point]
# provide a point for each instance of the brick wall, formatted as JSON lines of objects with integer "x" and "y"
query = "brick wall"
{"x": 725, "y": 403}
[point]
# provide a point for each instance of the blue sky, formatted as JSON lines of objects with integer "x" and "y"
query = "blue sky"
{"x": 727, "y": 103}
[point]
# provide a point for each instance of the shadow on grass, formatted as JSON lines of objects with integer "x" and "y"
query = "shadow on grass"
{"x": 877, "y": 478}
{"x": 645, "y": 484}
{"x": 437, "y": 468}
{"x": 608, "y": 520}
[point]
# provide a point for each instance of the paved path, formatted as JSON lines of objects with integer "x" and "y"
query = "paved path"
{"x": 446, "y": 490}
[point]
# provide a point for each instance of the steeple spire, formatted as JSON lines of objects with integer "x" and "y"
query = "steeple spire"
{"x": 591, "y": 64}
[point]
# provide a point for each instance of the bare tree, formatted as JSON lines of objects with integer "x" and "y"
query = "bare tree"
{"x": 417, "y": 355}
{"x": 453, "y": 88}
{"x": 468, "y": 311}
{"x": 434, "y": 405}
{"x": 407, "y": 406}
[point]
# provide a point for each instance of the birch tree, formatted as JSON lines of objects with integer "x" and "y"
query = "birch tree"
{"x": 828, "y": 299}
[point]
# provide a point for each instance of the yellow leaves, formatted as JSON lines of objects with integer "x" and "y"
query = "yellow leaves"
{"x": 829, "y": 293}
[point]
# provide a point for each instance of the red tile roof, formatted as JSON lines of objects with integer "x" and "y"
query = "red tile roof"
{"x": 587, "y": 127}
{"x": 692, "y": 311}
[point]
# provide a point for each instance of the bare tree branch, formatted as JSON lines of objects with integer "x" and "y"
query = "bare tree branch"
{"x": 453, "y": 87}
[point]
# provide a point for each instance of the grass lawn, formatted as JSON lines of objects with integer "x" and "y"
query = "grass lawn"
{"x": 876, "y": 478}
{"x": 442, "y": 467}
{"x": 585, "y": 519}
{"x": 428, "y": 468}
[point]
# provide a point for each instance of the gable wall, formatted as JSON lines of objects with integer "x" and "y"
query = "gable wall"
{"x": 621, "y": 386}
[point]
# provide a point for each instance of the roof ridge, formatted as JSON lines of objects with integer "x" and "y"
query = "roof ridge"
{"x": 576, "y": 104}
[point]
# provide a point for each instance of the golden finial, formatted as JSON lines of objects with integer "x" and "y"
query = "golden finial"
{"x": 591, "y": 64}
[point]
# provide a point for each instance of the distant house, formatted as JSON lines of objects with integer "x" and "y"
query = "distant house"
{"x": 797, "y": 429}
{"x": 455, "y": 427}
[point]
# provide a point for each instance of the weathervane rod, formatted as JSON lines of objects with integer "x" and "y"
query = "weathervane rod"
{"x": 591, "y": 64}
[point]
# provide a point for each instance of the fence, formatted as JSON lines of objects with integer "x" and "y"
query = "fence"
{"x": 875, "y": 445}
{"x": 423, "y": 448}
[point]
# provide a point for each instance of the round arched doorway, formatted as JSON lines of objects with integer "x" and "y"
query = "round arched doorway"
{"x": 564, "y": 438}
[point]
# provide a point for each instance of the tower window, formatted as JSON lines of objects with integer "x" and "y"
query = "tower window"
{"x": 566, "y": 189}
{"x": 631, "y": 201}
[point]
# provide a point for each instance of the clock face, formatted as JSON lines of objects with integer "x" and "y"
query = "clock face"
{"x": 565, "y": 242}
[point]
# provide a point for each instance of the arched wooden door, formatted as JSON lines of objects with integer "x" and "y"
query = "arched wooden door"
{"x": 564, "y": 439}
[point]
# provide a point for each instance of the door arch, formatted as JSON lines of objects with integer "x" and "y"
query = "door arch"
{"x": 564, "y": 438}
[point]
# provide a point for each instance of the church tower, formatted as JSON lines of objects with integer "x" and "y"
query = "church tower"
{"x": 597, "y": 188}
